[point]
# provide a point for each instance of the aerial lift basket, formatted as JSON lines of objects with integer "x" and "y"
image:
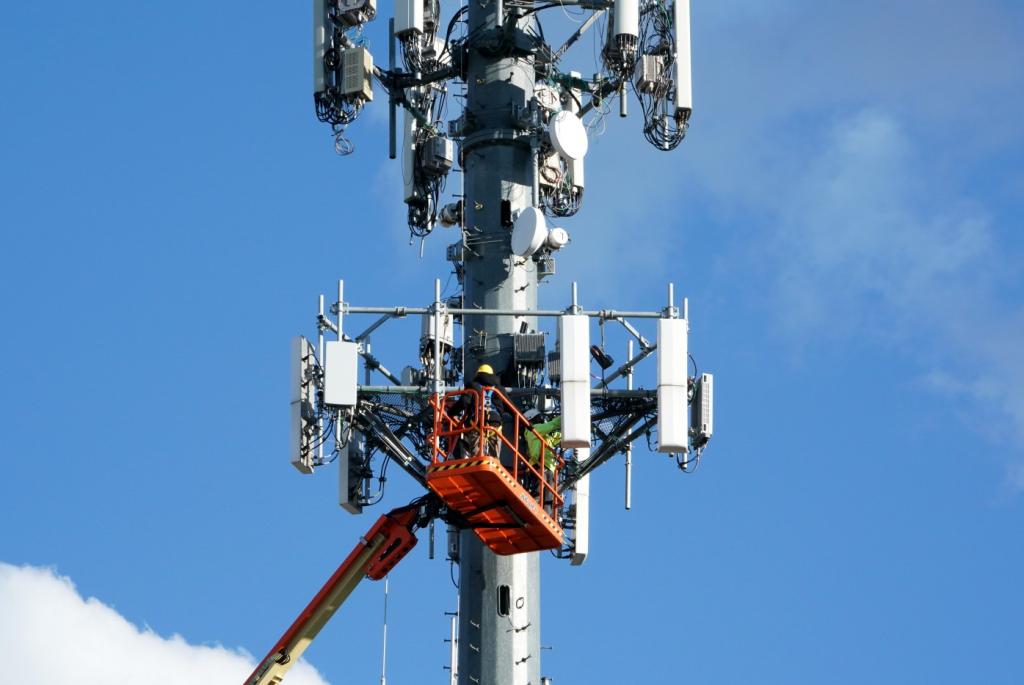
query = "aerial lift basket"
{"x": 482, "y": 471}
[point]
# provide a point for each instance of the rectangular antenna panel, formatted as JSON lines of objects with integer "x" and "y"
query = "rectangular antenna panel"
{"x": 703, "y": 409}
{"x": 673, "y": 426}
{"x": 349, "y": 480}
{"x": 574, "y": 347}
{"x": 302, "y": 426}
{"x": 683, "y": 78}
{"x": 581, "y": 500}
{"x": 408, "y": 17}
{"x": 357, "y": 73}
{"x": 409, "y": 157}
{"x": 575, "y": 414}
{"x": 319, "y": 45}
{"x": 574, "y": 351}
{"x": 576, "y": 172}
{"x": 428, "y": 324}
{"x": 673, "y": 414}
{"x": 341, "y": 368}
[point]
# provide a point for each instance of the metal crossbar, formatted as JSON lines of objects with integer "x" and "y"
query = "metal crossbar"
{"x": 411, "y": 414}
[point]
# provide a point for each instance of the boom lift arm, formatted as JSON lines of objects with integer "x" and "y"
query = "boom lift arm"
{"x": 383, "y": 546}
{"x": 512, "y": 508}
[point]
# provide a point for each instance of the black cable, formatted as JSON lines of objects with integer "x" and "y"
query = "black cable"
{"x": 324, "y": 437}
{"x": 382, "y": 479}
{"x": 540, "y": 28}
{"x": 451, "y": 27}
{"x": 451, "y": 573}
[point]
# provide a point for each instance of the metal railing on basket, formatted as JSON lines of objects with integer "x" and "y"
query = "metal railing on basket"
{"x": 467, "y": 434}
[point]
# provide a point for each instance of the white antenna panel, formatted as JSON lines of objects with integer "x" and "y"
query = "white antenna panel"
{"x": 683, "y": 76}
{"x": 302, "y": 428}
{"x": 408, "y": 17}
{"x": 568, "y": 135}
{"x": 575, "y": 413}
{"x": 319, "y": 45}
{"x": 673, "y": 413}
{"x": 627, "y": 17}
{"x": 341, "y": 368}
{"x": 576, "y": 171}
{"x": 581, "y": 500}
{"x": 673, "y": 357}
{"x": 574, "y": 347}
{"x": 702, "y": 410}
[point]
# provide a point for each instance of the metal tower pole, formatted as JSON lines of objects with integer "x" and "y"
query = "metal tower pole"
{"x": 496, "y": 649}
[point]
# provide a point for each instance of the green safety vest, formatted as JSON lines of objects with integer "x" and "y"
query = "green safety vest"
{"x": 551, "y": 433}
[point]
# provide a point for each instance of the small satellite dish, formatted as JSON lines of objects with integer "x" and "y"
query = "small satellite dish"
{"x": 568, "y": 135}
{"x": 529, "y": 232}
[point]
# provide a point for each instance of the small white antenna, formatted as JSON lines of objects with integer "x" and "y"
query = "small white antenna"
{"x": 453, "y": 647}
{"x": 384, "y": 648}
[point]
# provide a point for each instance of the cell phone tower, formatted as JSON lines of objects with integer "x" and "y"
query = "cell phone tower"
{"x": 501, "y": 420}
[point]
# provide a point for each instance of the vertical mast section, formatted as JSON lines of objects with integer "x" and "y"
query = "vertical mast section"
{"x": 496, "y": 649}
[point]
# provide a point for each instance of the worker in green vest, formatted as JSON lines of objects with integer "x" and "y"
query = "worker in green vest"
{"x": 551, "y": 433}
{"x": 547, "y": 438}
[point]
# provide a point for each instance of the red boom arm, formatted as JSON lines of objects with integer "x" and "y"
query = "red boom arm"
{"x": 383, "y": 546}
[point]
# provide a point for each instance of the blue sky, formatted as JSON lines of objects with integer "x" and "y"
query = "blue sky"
{"x": 844, "y": 218}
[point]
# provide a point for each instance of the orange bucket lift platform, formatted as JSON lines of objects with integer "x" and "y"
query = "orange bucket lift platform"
{"x": 511, "y": 508}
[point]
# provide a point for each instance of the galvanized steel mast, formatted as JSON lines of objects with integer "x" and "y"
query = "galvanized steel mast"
{"x": 499, "y": 166}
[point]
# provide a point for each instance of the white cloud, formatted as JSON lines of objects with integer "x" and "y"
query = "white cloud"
{"x": 52, "y": 635}
{"x": 868, "y": 241}
{"x": 858, "y": 222}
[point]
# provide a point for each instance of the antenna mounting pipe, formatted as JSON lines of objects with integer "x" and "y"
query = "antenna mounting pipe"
{"x": 392, "y": 136}
{"x": 629, "y": 447}
{"x": 597, "y": 313}
{"x": 438, "y": 377}
{"x": 341, "y": 305}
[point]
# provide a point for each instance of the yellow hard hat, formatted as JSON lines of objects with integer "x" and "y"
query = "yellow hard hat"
{"x": 484, "y": 368}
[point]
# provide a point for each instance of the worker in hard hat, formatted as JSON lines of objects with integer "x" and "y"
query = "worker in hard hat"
{"x": 544, "y": 438}
{"x": 483, "y": 385}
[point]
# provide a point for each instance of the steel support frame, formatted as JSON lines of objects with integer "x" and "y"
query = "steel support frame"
{"x": 500, "y": 295}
